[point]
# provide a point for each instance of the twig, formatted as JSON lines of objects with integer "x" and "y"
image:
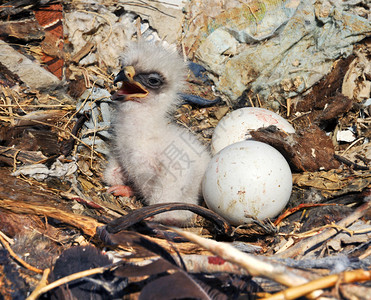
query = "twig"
{"x": 66, "y": 131}
{"x": 150, "y": 7}
{"x": 42, "y": 283}
{"x": 15, "y": 160}
{"x": 321, "y": 283}
{"x": 320, "y": 229}
{"x": 138, "y": 23}
{"x": 305, "y": 245}
{"x": 65, "y": 280}
{"x": 288, "y": 107}
{"x": 8, "y": 239}
{"x": 352, "y": 144}
{"x": 299, "y": 116}
{"x": 105, "y": 18}
{"x": 18, "y": 105}
{"x": 78, "y": 110}
{"x": 290, "y": 211}
{"x": 365, "y": 254}
{"x": 83, "y": 52}
{"x": 209, "y": 264}
{"x": 8, "y": 102}
{"x": 61, "y": 106}
{"x": 365, "y": 160}
{"x": 252, "y": 103}
{"x": 260, "y": 104}
{"x": 253, "y": 265}
{"x": 17, "y": 258}
{"x": 87, "y": 224}
{"x": 350, "y": 163}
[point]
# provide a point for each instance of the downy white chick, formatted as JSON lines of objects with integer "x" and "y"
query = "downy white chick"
{"x": 162, "y": 161}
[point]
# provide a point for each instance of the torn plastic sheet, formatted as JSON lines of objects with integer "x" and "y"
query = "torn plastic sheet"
{"x": 110, "y": 27}
{"x": 41, "y": 171}
{"x": 288, "y": 63}
{"x": 97, "y": 103}
{"x": 111, "y": 33}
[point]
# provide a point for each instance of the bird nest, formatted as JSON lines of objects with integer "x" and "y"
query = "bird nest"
{"x": 59, "y": 225}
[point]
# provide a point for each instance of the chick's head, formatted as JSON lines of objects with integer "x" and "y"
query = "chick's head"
{"x": 150, "y": 73}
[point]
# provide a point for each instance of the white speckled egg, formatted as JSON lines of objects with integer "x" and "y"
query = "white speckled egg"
{"x": 248, "y": 178}
{"x": 236, "y": 125}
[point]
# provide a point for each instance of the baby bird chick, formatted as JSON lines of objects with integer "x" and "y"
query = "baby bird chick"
{"x": 162, "y": 161}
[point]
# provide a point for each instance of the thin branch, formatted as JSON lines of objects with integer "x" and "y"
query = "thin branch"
{"x": 306, "y": 244}
{"x": 17, "y": 258}
{"x": 253, "y": 265}
{"x": 321, "y": 283}
{"x": 65, "y": 280}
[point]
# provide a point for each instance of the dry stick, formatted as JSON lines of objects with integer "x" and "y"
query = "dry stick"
{"x": 87, "y": 224}
{"x": 10, "y": 109}
{"x": 288, "y": 107}
{"x": 56, "y": 127}
{"x": 65, "y": 106}
{"x": 15, "y": 160}
{"x": 318, "y": 229}
{"x": 17, "y": 258}
{"x": 321, "y": 283}
{"x": 18, "y": 105}
{"x": 260, "y": 104}
{"x": 42, "y": 283}
{"x": 305, "y": 245}
{"x": 78, "y": 110}
{"x": 65, "y": 280}
{"x": 103, "y": 17}
{"x": 68, "y": 132}
{"x": 9, "y": 240}
{"x": 365, "y": 254}
{"x": 253, "y": 265}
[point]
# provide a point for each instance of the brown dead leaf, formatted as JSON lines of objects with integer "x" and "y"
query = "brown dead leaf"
{"x": 334, "y": 182}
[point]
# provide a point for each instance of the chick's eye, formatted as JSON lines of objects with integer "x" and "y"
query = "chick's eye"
{"x": 153, "y": 80}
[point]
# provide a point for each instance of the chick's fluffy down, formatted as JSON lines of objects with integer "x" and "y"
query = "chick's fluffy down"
{"x": 163, "y": 162}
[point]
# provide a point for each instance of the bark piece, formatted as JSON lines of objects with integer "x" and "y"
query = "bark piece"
{"x": 308, "y": 149}
{"x": 26, "y": 69}
{"x": 25, "y": 30}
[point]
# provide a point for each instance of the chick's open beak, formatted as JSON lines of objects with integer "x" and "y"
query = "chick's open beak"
{"x": 130, "y": 88}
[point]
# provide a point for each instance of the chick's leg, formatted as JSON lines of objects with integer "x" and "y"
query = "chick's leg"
{"x": 114, "y": 175}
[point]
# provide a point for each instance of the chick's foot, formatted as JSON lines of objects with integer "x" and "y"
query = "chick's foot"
{"x": 121, "y": 190}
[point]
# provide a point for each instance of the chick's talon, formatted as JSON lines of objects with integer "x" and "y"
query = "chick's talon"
{"x": 121, "y": 190}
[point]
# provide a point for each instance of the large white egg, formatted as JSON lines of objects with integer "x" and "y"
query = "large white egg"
{"x": 236, "y": 125}
{"x": 248, "y": 178}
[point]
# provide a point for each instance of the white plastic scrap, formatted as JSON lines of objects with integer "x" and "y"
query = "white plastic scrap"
{"x": 367, "y": 102}
{"x": 110, "y": 35}
{"x": 98, "y": 104}
{"x": 347, "y": 136}
{"x": 41, "y": 171}
{"x": 107, "y": 31}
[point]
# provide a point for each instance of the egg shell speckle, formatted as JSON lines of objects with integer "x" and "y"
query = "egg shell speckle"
{"x": 248, "y": 178}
